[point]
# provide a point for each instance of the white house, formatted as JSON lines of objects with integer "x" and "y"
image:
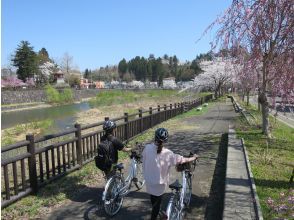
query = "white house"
{"x": 169, "y": 83}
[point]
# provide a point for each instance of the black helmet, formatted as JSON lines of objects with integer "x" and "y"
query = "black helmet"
{"x": 109, "y": 125}
{"x": 161, "y": 134}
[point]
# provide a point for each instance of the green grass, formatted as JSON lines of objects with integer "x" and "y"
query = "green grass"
{"x": 106, "y": 98}
{"x": 270, "y": 161}
{"x": 111, "y": 97}
{"x": 10, "y": 135}
{"x": 68, "y": 187}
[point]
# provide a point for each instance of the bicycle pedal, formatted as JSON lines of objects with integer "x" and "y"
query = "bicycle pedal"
{"x": 135, "y": 180}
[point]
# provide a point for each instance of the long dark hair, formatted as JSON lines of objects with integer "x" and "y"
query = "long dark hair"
{"x": 159, "y": 146}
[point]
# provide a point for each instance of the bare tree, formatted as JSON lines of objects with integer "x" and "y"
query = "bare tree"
{"x": 66, "y": 63}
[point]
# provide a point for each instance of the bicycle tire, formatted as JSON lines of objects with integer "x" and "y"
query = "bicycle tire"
{"x": 188, "y": 192}
{"x": 139, "y": 176}
{"x": 112, "y": 202}
{"x": 172, "y": 210}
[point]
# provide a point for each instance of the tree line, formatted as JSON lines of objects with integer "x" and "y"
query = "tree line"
{"x": 39, "y": 66}
{"x": 152, "y": 69}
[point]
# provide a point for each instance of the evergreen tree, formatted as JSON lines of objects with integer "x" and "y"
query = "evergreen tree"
{"x": 43, "y": 56}
{"x": 25, "y": 60}
{"x": 175, "y": 65}
{"x": 195, "y": 67}
{"x": 86, "y": 74}
{"x": 122, "y": 67}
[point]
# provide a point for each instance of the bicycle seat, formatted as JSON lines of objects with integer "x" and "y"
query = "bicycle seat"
{"x": 119, "y": 166}
{"x": 176, "y": 185}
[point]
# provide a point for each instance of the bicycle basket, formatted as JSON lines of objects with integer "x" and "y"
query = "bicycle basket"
{"x": 183, "y": 166}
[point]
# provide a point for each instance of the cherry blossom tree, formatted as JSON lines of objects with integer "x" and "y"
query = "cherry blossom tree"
{"x": 216, "y": 75}
{"x": 265, "y": 29}
{"x": 46, "y": 71}
{"x": 12, "y": 82}
{"x": 245, "y": 76}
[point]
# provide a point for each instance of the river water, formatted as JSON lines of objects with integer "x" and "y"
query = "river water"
{"x": 63, "y": 116}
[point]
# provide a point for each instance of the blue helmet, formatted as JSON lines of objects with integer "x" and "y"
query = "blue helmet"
{"x": 161, "y": 134}
{"x": 108, "y": 126}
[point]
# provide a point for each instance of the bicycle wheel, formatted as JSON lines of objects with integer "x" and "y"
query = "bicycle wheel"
{"x": 173, "y": 209}
{"x": 112, "y": 200}
{"x": 188, "y": 192}
{"x": 140, "y": 181}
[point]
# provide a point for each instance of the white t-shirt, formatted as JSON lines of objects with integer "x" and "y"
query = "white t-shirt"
{"x": 156, "y": 168}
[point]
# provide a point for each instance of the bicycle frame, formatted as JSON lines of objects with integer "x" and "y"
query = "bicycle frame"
{"x": 178, "y": 196}
{"x": 128, "y": 181}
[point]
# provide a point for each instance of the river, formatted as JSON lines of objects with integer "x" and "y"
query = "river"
{"x": 63, "y": 116}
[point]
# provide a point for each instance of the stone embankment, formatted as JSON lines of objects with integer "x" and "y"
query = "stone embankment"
{"x": 38, "y": 95}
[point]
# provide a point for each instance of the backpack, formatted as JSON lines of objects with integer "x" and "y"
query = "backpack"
{"x": 102, "y": 159}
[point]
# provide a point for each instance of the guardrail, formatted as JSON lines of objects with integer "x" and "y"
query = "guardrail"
{"x": 37, "y": 161}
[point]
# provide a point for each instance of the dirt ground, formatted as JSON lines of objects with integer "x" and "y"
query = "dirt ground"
{"x": 198, "y": 134}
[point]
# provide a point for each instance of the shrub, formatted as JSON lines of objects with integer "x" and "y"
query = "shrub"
{"x": 52, "y": 94}
{"x": 55, "y": 97}
{"x": 66, "y": 96}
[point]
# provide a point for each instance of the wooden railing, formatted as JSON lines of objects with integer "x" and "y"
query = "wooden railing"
{"x": 37, "y": 161}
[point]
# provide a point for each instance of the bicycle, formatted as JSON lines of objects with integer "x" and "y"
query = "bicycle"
{"x": 117, "y": 187}
{"x": 181, "y": 196}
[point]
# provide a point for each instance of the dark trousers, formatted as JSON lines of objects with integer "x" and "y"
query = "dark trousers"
{"x": 155, "y": 201}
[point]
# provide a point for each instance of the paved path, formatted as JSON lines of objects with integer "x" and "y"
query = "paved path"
{"x": 199, "y": 134}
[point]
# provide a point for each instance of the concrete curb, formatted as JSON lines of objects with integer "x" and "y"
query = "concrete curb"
{"x": 257, "y": 206}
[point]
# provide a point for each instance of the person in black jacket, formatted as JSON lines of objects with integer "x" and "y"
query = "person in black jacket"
{"x": 117, "y": 145}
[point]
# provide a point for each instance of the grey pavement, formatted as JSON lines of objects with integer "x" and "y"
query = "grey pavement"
{"x": 238, "y": 195}
{"x": 199, "y": 134}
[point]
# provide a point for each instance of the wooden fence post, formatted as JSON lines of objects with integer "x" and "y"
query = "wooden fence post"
{"x": 126, "y": 126}
{"x": 32, "y": 163}
{"x": 170, "y": 110}
{"x": 151, "y": 117}
{"x": 78, "y": 134}
{"x": 182, "y": 107}
{"x": 141, "y": 120}
{"x": 165, "y": 112}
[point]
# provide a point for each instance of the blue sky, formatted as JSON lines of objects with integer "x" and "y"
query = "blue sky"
{"x": 97, "y": 33}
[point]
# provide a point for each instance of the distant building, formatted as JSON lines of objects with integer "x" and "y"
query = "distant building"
{"x": 185, "y": 84}
{"x": 84, "y": 83}
{"x": 136, "y": 84}
{"x": 169, "y": 83}
{"x": 99, "y": 84}
{"x": 151, "y": 85}
{"x": 59, "y": 77}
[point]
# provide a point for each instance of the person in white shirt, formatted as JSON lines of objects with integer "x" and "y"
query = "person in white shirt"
{"x": 157, "y": 161}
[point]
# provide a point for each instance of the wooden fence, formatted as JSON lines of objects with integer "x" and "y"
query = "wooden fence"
{"x": 42, "y": 160}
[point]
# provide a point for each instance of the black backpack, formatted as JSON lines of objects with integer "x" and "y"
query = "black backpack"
{"x": 103, "y": 159}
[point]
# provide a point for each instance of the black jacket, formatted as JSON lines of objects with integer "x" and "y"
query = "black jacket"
{"x": 114, "y": 147}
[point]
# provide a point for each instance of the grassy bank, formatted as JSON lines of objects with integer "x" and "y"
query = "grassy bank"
{"x": 272, "y": 164}
{"x": 110, "y": 97}
{"x": 18, "y": 132}
{"x": 68, "y": 188}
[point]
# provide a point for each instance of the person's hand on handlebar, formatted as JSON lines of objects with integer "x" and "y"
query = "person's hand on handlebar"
{"x": 195, "y": 157}
{"x": 190, "y": 159}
